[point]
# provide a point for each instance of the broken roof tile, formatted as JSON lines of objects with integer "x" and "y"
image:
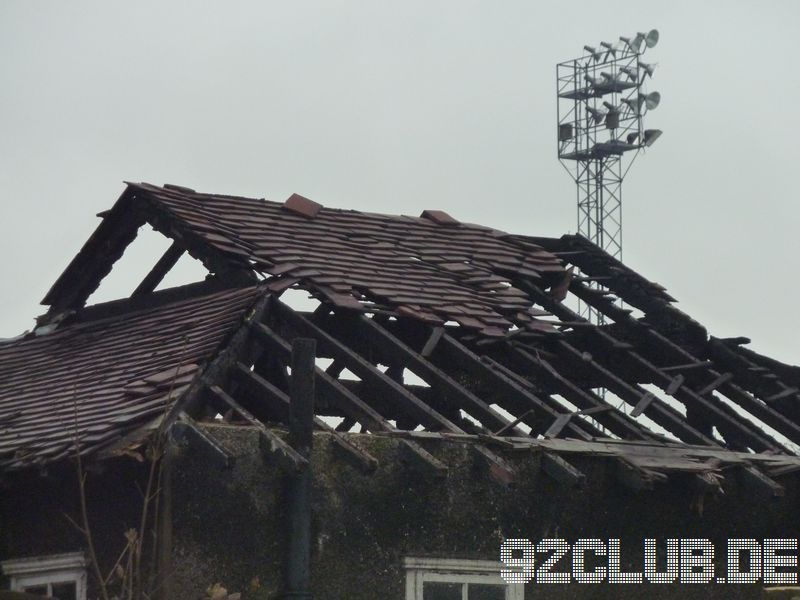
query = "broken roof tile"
{"x": 440, "y": 218}
{"x": 302, "y": 206}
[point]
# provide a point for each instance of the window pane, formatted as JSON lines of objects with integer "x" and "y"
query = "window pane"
{"x": 65, "y": 591}
{"x": 477, "y": 591}
{"x": 441, "y": 591}
{"x": 37, "y": 589}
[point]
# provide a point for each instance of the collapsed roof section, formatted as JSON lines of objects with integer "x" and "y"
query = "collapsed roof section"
{"x": 480, "y": 318}
{"x": 431, "y": 267}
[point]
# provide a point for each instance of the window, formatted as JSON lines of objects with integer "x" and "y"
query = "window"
{"x": 61, "y": 576}
{"x": 449, "y": 579}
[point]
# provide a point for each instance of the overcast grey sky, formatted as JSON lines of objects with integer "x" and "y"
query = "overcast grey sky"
{"x": 397, "y": 107}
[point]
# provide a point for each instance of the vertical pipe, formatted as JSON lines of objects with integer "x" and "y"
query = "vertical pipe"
{"x": 165, "y": 566}
{"x": 301, "y": 429}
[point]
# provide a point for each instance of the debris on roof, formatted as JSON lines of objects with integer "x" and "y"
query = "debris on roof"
{"x": 485, "y": 320}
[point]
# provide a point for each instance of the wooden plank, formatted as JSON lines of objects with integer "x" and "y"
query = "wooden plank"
{"x": 160, "y": 270}
{"x": 726, "y": 419}
{"x": 642, "y": 405}
{"x": 273, "y": 445}
{"x": 559, "y": 424}
{"x": 791, "y": 391}
{"x": 275, "y": 398}
{"x": 636, "y": 478}
{"x": 440, "y": 381}
{"x": 280, "y": 402}
{"x": 580, "y": 428}
{"x": 757, "y": 478}
{"x": 675, "y": 385}
{"x": 615, "y": 421}
{"x": 365, "y": 370}
{"x": 433, "y": 340}
{"x": 560, "y": 470}
{"x": 217, "y": 370}
{"x": 659, "y": 412}
{"x": 187, "y": 429}
{"x": 688, "y": 366}
{"x": 350, "y": 404}
{"x": 718, "y": 381}
{"x": 414, "y": 454}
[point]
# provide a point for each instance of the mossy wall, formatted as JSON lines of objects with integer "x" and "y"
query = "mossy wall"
{"x": 229, "y": 523}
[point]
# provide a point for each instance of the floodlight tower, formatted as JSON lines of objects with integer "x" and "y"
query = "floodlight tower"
{"x": 601, "y": 106}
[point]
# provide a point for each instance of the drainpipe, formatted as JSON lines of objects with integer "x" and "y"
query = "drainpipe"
{"x": 301, "y": 429}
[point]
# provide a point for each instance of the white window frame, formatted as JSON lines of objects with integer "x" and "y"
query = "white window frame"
{"x": 47, "y": 570}
{"x": 449, "y": 570}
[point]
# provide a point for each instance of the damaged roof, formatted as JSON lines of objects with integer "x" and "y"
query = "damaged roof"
{"x": 485, "y": 321}
{"x": 94, "y": 380}
{"x": 430, "y": 267}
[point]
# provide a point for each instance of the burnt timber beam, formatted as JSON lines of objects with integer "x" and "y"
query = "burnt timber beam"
{"x": 351, "y": 405}
{"x": 667, "y": 383}
{"x": 186, "y": 428}
{"x": 755, "y": 477}
{"x": 276, "y": 399}
{"x": 730, "y": 424}
{"x": 366, "y": 371}
{"x": 363, "y": 368}
{"x": 273, "y": 445}
{"x": 97, "y": 256}
{"x": 762, "y": 411}
{"x": 515, "y": 393}
{"x": 708, "y": 404}
{"x": 217, "y": 370}
{"x": 560, "y": 470}
{"x": 159, "y": 270}
{"x": 642, "y": 400}
{"x": 637, "y": 478}
{"x": 441, "y": 383}
{"x": 756, "y": 379}
{"x": 171, "y": 226}
{"x": 280, "y": 403}
{"x": 347, "y": 401}
{"x": 511, "y": 382}
{"x": 613, "y": 420}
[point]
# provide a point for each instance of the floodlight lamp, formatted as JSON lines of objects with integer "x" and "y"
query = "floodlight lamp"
{"x": 593, "y": 51}
{"x": 597, "y": 114}
{"x": 629, "y": 43}
{"x": 634, "y": 104}
{"x": 650, "y": 38}
{"x": 612, "y": 119}
{"x": 648, "y": 69}
{"x": 594, "y": 81}
{"x": 608, "y": 77}
{"x": 630, "y": 72}
{"x": 610, "y": 106}
{"x": 651, "y": 135}
{"x": 651, "y": 100}
{"x": 610, "y": 50}
{"x": 564, "y": 132}
{"x": 632, "y": 137}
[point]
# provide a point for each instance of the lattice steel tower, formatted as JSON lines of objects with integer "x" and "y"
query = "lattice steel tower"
{"x": 601, "y": 107}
